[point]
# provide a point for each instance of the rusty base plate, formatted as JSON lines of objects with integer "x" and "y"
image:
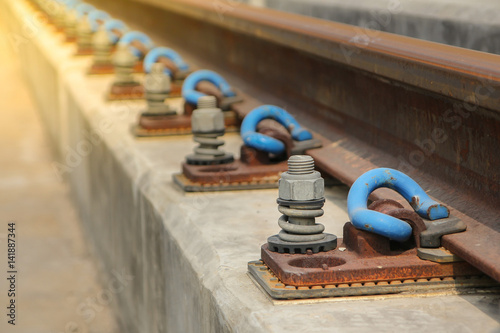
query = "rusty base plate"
{"x": 135, "y": 90}
{"x": 361, "y": 256}
{"x": 338, "y": 266}
{"x": 265, "y": 278}
{"x": 190, "y": 186}
{"x": 84, "y": 52}
{"x": 126, "y": 92}
{"x": 70, "y": 39}
{"x": 235, "y": 172}
{"x": 139, "y": 67}
{"x": 175, "y": 90}
{"x": 169, "y": 125}
{"x": 110, "y": 69}
{"x": 140, "y": 131}
{"x": 103, "y": 69}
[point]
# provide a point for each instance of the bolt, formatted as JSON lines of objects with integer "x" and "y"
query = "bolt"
{"x": 59, "y": 15}
{"x": 102, "y": 47}
{"x": 207, "y": 102}
{"x": 84, "y": 34}
{"x": 157, "y": 86}
{"x": 301, "y": 198}
{"x": 70, "y": 24}
{"x": 300, "y": 165}
{"x": 124, "y": 62}
{"x": 301, "y": 182}
{"x": 207, "y": 124}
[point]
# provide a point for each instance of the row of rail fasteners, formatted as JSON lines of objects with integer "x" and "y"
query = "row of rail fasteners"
{"x": 120, "y": 51}
{"x": 210, "y": 107}
{"x": 387, "y": 247}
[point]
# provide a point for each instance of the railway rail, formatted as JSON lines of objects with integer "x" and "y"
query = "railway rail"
{"x": 376, "y": 99}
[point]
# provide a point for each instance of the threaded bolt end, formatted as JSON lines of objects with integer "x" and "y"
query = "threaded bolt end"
{"x": 207, "y": 102}
{"x": 157, "y": 68}
{"x": 300, "y": 165}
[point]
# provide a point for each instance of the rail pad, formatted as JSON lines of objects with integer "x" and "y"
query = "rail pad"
{"x": 259, "y": 271}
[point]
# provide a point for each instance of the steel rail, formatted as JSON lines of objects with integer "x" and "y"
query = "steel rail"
{"x": 378, "y": 99}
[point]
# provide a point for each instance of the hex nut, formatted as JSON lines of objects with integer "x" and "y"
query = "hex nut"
{"x": 83, "y": 27}
{"x": 157, "y": 82}
{"x": 301, "y": 187}
{"x": 207, "y": 121}
{"x": 101, "y": 39}
{"x": 123, "y": 57}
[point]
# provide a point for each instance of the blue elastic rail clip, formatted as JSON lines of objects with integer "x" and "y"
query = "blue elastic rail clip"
{"x": 83, "y": 9}
{"x": 191, "y": 95}
{"x": 70, "y": 4}
{"x": 166, "y": 52}
{"x": 139, "y": 36}
{"x": 266, "y": 143}
{"x": 114, "y": 24}
{"x": 382, "y": 224}
{"x": 94, "y": 16}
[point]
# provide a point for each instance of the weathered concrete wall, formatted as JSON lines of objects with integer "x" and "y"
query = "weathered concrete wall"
{"x": 469, "y": 24}
{"x": 186, "y": 254}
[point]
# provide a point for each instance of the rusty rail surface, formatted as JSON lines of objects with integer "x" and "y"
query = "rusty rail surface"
{"x": 377, "y": 99}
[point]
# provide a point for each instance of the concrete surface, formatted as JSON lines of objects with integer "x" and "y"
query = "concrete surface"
{"x": 469, "y": 24}
{"x": 187, "y": 254}
{"x": 57, "y": 287}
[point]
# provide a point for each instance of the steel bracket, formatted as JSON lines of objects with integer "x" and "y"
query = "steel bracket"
{"x": 227, "y": 102}
{"x": 300, "y": 147}
{"x": 431, "y": 237}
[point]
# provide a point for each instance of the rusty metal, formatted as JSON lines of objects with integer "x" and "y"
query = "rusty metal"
{"x": 135, "y": 91}
{"x": 130, "y": 91}
{"x": 208, "y": 88}
{"x": 190, "y": 186}
{"x": 181, "y": 124}
{"x": 176, "y": 73}
{"x": 270, "y": 283}
{"x": 70, "y": 39}
{"x": 110, "y": 69}
{"x": 379, "y": 100}
{"x": 254, "y": 170}
{"x": 96, "y": 69}
{"x": 236, "y": 172}
{"x": 120, "y": 92}
{"x": 83, "y": 51}
{"x": 365, "y": 257}
{"x": 105, "y": 68}
{"x": 176, "y": 124}
{"x": 395, "y": 209}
